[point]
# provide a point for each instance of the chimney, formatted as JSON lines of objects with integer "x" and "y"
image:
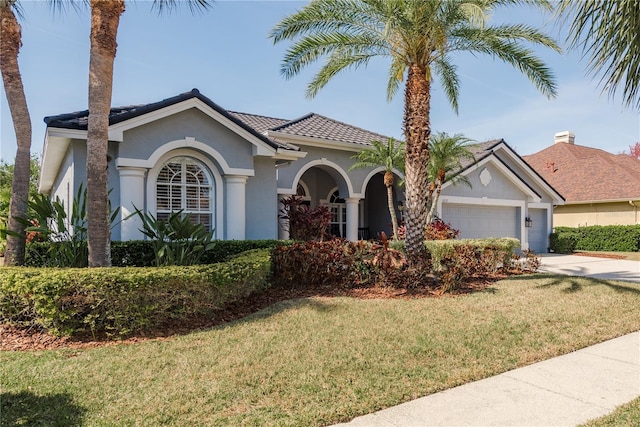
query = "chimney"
{"x": 564, "y": 136}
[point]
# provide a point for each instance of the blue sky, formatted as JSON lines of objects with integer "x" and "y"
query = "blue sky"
{"x": 226, "y": 54}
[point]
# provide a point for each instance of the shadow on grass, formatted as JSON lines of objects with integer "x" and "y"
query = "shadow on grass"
{"x": 573, "y": 284}
{"x": 282, "y": 306}
{"x": 28, "y": 409}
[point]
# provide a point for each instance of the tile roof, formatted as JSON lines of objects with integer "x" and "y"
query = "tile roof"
{"x": 587, "y": 174}
{"x": 79, "y": 119}
{"x": 260, "y": 123}
{"x": 311, "y": 125}
{"x": 317, "y": 126}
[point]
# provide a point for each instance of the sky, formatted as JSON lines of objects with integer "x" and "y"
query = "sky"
{"x": 225, "y": 52}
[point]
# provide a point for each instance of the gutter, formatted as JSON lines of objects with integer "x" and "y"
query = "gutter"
{"x": 635, "y": 207}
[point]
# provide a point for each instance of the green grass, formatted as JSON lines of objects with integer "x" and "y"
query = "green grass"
{"x": 317, "y": 361}
{"x": 625, "y": 415}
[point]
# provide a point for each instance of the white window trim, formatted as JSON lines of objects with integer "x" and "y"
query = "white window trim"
{"x": 218, "y": 202}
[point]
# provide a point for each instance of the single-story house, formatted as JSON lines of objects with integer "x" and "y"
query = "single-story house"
{"x": 600, "y": 188}
{"x": 229, "y": 170}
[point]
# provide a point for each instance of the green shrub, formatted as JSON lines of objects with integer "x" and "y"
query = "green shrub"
{"x": 497, "y": 251}
{"x": 139, "y": 253}
{"x": 563, "y": 242}
{"x": 612, "y": 238}
{"x": 121, "y": 300}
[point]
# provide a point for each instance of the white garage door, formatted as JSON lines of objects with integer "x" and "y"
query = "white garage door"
{"x": 482, "y": 221}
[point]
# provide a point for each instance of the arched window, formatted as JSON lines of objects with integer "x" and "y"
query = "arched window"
{"x": 186, "y": 184}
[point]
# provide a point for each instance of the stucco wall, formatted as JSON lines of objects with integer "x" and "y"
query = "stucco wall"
{"x": 621, "y": 213}
{"x": 336, "y": 163}
{"x": 261, "y": 202}
{"x": 142, "y": 141}
{"x": 498, "y": 187}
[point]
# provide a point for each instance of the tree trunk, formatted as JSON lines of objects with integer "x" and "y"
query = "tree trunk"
{"x": 417, "y": 130}
{"x": 105, "y": 17}
{"x": 434, "y": 202}
{"x": 10, "y": 43}
{"x": 392, "y": 212}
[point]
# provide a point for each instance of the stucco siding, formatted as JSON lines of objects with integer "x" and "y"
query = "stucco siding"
{"x": 574, "y": 215}
{"x": 498, "y": 186}
{"x": 334, "y": 162}
{"x": 142, "y": 141}
{"x": 261, "y": 202}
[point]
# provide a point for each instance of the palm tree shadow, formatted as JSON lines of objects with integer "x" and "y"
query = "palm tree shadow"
{"x": 574, "y": 284}
{"x": 28, "y": 409}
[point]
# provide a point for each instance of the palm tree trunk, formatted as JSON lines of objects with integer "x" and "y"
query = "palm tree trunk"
{"x": 10, "y": 43}
{"x": 417, "y": 130}
{"x": 392, "y": 211}
{"x": 105, "y": 18}
{"x": 434, "y": 202}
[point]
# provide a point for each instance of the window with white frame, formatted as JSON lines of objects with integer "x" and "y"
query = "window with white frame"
{"x": 186, "y": 184}
{"x": 338, "y": 210}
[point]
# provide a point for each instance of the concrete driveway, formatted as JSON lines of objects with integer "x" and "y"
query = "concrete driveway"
{"x": 599, "y": 268}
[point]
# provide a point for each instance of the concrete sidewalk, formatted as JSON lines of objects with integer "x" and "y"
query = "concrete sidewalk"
{"x": 598, "y": 268}
{"x": 563, "y": 391}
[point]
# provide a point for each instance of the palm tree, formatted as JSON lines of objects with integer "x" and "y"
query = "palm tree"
{"x": 607, "y": 32}
{"x": 419, "y": 36}
{"x": 446, "y": 156}
{"x": 10, "y": 43}
{"x": 390, "y": 156}
{"x": 105, "y": 18}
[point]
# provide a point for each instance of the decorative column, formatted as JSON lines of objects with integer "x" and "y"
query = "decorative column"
{"x": 235, "y": 208}
{"x": 131, "y": 198}
{"x": 352, "y": 217}
{"x": 283, "y": 224}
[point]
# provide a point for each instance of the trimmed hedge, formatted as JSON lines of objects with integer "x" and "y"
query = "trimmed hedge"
{"x": 563, "y": 242}
{"x": 139, "y": 253}
{"x": 612, "y": 238}
{"x": 442, "y": 249}
{"x": 121, "y": 300}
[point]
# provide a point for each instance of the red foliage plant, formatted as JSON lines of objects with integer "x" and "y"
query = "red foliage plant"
{"x": 439, "y": 230}
{"x": 305, "y": 223}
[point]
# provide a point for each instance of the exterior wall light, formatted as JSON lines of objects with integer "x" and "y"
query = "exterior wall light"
{"x": 528, "y": 222}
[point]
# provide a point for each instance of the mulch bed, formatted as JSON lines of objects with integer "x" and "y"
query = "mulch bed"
{"x": 599, "y": 255}
{"x": 24, "y": 339}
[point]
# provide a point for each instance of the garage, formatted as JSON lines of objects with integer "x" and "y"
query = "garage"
{"x": 478, "y": 221}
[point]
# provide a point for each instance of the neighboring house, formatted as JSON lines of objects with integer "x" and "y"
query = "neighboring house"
{"x": 600, "y": 188}
{"x": 229, "y": 170}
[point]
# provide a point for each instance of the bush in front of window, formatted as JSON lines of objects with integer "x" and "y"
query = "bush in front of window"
{"x": 119, "y": 301}
{"x": 139, "y": 253}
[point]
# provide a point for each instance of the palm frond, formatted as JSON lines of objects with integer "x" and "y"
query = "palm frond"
{"x": 447, "y": 72}
{"x": 606, "y": 32}
{"x": 170, "y": 5}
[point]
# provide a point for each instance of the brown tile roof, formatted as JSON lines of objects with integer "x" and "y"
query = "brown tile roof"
{"x": 257, "y": 122}
{"x": 587, "y": 174}
{"x": 316, "y": 126}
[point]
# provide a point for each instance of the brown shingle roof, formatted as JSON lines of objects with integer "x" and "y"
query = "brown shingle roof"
{"x": 316, "y": 126}
{"x": 587, "y": 174}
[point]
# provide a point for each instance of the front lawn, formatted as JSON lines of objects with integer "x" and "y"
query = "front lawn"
{"x": 624, "y": 415}
{"x": 317, "y": 361}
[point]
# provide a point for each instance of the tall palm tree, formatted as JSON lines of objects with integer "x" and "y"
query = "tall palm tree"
{"x": 10, "y": 43}
{"x": 446, "y": 154}
{"x": 606, "y": 31}
{"x": 105, "y": 18}
{"x": 419, "y": 36}
{"x": 390, "y": 156}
